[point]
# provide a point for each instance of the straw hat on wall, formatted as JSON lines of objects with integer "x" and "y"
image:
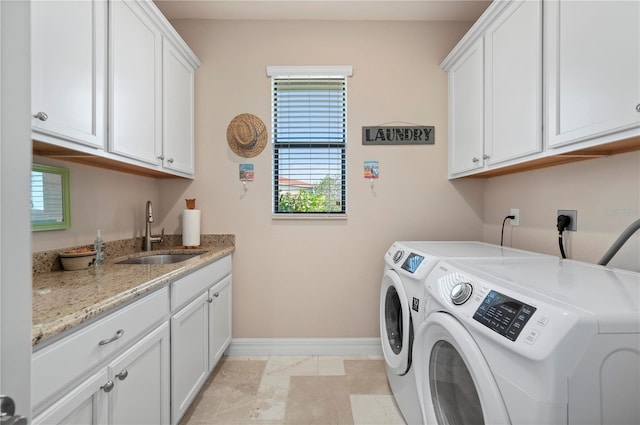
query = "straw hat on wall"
{"x": 247, "y": 135}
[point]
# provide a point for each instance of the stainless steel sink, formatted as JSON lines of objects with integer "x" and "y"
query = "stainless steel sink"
{"x": 159, "y": 259}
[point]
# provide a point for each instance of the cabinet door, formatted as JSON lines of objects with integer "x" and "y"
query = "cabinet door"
{"x": 189, "y": 354}
{"x": 85, "y": 405}
{"x": 219, "y": 320}
{"x": 593, "y": 59}
{"x": 141, "y": 377}
{"x": 178, "y": 141}
{"x": 466, "y": 103}
{"x": 513, "y": 83}
{"x": 135, "y": 106}
{"x": 68, "y": 69}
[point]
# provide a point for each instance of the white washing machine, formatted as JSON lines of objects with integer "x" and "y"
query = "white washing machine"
{"x": 407, "y": 265}
{"x": 521, "y": 342}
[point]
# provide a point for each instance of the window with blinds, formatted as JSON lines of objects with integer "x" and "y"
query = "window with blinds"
{"x": 309, "y": 127}
{"x": 50, "y": 203}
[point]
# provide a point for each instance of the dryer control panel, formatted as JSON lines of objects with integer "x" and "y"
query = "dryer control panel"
{"x": 412, "y": 262}
{"x": 503, "y": 314}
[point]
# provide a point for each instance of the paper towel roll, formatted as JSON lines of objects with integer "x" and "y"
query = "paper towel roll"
{"x": 191, "y": 227}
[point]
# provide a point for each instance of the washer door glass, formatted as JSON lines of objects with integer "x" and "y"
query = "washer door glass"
{"x": 453, "y": 393}
{"x": 393, "y": 319}
{"x": 457, "y": 384}
{"x": 396, "y": 330}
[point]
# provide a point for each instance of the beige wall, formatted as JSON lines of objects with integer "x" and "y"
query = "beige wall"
{"x": 604, "y": 191}
{"x": 100, "y": 199}
{"x": 322, "y": 278}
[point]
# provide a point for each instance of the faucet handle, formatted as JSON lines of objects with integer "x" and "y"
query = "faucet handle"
{"x": 162, "y": 235}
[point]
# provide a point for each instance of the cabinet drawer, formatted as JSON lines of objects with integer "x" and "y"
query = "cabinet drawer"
{"x": 57, "y": 365}
{"x": 189, "y": 287}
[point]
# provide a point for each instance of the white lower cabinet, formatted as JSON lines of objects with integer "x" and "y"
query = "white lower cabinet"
{"x": 219, "y": 320}
{"x": 189, "y": 354}
{"x": 87, "y": 404}
{"x": 141, "y": 391}
{"x": 200, "y": 332}
{"x": 132, "y": 389}
{"x": 142, "y": 364}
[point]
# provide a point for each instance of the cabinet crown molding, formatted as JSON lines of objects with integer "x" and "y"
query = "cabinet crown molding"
{"x": 477, "y": 30}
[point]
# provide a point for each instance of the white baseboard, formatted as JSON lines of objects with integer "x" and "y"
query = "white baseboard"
{"x": 305, "y": 347}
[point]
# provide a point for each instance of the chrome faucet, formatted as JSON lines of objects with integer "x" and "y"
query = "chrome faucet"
{"x": 149, "y": 240}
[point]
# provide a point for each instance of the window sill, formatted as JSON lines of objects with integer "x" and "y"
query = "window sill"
{"x": 310, "y": 216}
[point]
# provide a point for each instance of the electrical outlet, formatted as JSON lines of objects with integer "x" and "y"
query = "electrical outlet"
{"x": 573, "y": 225}
{"x": 515, "y": 212}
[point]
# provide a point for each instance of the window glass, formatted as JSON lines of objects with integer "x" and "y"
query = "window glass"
{"x": 309, "y": 124}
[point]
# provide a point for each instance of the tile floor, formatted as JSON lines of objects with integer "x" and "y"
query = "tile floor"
{"x": 307, "y": 390}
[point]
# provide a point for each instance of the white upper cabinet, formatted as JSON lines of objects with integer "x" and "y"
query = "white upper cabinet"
{"x": 135, "y": 107}
{"x": 593, "y": 70}
{"x": 560, "y": 82}
{"x": 466, "y": 116}
{"x": 178, "y": 111}
{"x": 114, "y": 80}
{"x": 495, "y": 89}
{"x": 513, "y": 83}
{"x": 68, "y": 72}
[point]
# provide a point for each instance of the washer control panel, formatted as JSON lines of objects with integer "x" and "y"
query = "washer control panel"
{"x": 504, "y": 315}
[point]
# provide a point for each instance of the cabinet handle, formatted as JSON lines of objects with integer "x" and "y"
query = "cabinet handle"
{"x": 217, "y": 294}
{"x": 209, "y": 300}
{"x": 41, "y": 116}
{"x": 170, "y": 160}
{"x": 475, "y": 160}
{"x": 638, "y": 107}
{"x": 123, "y": 374}
{"x": 161, "y": 157}
{"x": 118, "y": 335}
{"x": 107, "y": 387}
{"x": 485, "y": 156}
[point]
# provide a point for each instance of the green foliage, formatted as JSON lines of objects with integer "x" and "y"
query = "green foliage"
{"x": 303, "y": 201}
{"x": 324, "y": 197}
{"x": 331, "y": 189}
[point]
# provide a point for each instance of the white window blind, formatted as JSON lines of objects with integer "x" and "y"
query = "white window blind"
{"x": 309, "y": 128}
{"x": 47, "y": 204}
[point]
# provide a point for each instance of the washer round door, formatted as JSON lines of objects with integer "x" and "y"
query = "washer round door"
{"x": 455, "y": 383}
{"x": 396, "y": 328}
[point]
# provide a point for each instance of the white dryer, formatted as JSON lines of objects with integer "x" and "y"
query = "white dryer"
{"x": 521, "y": 342}
{"x": 407, "y": 264}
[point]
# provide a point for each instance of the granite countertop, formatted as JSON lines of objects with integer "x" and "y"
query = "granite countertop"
{"x": 62, "y": 300}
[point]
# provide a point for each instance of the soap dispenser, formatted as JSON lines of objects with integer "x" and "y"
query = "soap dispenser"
{"x": 98, "y": 245}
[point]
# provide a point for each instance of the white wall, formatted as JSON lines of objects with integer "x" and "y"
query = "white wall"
{"x": 604, "y": 191}
{"x": 322, "y": 278}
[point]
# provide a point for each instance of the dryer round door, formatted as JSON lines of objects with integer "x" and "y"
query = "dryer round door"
{"x": 455, "y": 383}
{"x": 396, "y": 329}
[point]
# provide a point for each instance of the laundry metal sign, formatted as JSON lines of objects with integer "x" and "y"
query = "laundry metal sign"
{"x": 392, "y": 135}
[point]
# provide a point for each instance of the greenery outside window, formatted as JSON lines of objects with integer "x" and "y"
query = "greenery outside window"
{"x": 309, "y": 128}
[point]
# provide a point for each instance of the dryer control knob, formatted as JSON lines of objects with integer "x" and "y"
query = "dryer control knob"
{"x": 398, "y": 255}
{"x": 461, "y": 293}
